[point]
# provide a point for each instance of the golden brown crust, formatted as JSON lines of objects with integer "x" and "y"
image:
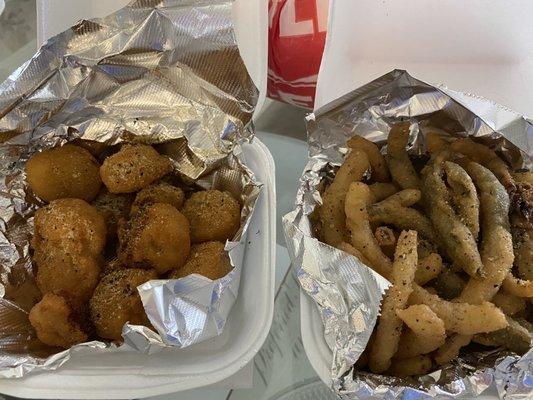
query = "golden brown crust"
{"x": 116, "y": 301}
{"x": 64, "y": 172}
{"x": 213, "y": 216}
{"x": 133, "y": 168}
{"x": 157, "y": 237}
{"x": 54, "y": 322}
{"x": 208, "y": 259}
{"x": 160, "y": 192}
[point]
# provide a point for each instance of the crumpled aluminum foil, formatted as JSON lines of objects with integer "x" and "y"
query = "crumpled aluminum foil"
{"x": 163, "y": 72}
{"x": 346, "y": 292}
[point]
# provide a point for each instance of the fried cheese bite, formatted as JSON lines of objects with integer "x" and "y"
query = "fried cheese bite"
{"x": 64, "y": 172}
{"x": 114, "y": 208}
{"x": 208, "y": 259}
{"x": 156, "y": 237}
{"x": 161, "y": 192}
{"x": 116, "y": 301}
{"x": 69, "y": 238}
{"x": 133, "y": 168}
{"x": 213, "y": 215}
{"x": 56, "y": 322}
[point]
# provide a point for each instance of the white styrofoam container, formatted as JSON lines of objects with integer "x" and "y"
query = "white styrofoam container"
{"x": 126, "y": 376}
{"x": 479, "y": 46}
{"x": 133, "y": 375}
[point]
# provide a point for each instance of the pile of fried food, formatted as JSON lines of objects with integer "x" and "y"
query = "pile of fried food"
{"x": 109, "y": 227}
{"x": 451, "y": 231}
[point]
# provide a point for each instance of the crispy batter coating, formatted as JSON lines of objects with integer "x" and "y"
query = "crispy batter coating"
{"x": 497, "y": 244}
{"x": 213, "y": 215}
{"x": 62, "y": 172}
{"x": 133, "y": 168}
{"x": 156, "y": 237}
{"x": 69, "y": 238}
{"x": 464, "y": 196}
{"x": 116, "y": 301}
{"x": 160, "y": 192}
{"x": 113, "y": 207}
{"x": 332, "y": 213}
{"x": 454, "y": 236}
{"x": 401, "y": 168}
{"x": 55, "y": 322}
{"x": 208, "y": 259}
{"x": 450, "y": 349}
{"x": 380, "y": 173}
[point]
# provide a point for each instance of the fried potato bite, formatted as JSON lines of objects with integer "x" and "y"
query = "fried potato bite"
{"x": 64, "y": 172}
{"x": 389, "y": 326}
{"x": 69, "y": 238}
{"x": 116, "y": 301}
{"x": 380, "y": 172}
{"x": 133, "y": 168}
{"x": 508, "y": 303}
{"x": 55, "y": 322}
{"x": 213, "y": 216}
{"x": 401, "y": 168}
{"x": 208, "y": 259}
{"x": 380, "y": 191}
{"x": 114, "y": 208}
{"x": 161, "y": 192}
{"x": 362, "y": 237}
{"x": 516, "y": 336}
{"x": 156, "y": 237}
{"x": 332, "y": 212}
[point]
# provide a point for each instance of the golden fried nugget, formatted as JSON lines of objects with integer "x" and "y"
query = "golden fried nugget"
{"x": 462, "y": 318}
{"x": 389, "y": 326}
{"x": 454, "y": 236}
{"x": 497, "y": 244}
{"x": 508, "y": 303}
{"x": 208, "y": 259}
{"x": 61, "y": 269}
{"x": 380, "y": 191}
{"x": 362, "y": 237}
{"x": 133, "y": 168}
{"x": 380, "y": 172}
{"x": 332, "y": 212}
{"x": 401, "y": 168}
{"x": 116, "y": 301}
{"x": 213, "y": 215}
{"x": 55, "y": 322}
{"x": 114, "y": 208}
{"x": 485, "y": 156}
{"x": 160, "y": 192}
{"x": 156, "y": 237}
{"x": 464, "y": 196}
{"x": 418, "y": 365}
{"x": 73, "y": 223}
{"x": 450, "y": 349}
{"x": 63, "y": 172}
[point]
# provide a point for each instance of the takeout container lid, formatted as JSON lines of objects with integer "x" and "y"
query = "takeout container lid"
{"x": 490, "y": 56}
{"x": 124, "y": 376}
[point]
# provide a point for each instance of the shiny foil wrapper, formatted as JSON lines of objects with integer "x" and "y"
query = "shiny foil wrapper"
{"x": 346, "y": 292}
{"x": 162, "y": 72}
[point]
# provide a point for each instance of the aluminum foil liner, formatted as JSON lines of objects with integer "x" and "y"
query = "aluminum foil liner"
{"x": 163, "y": 72}
{"x": 346, "y": 292}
